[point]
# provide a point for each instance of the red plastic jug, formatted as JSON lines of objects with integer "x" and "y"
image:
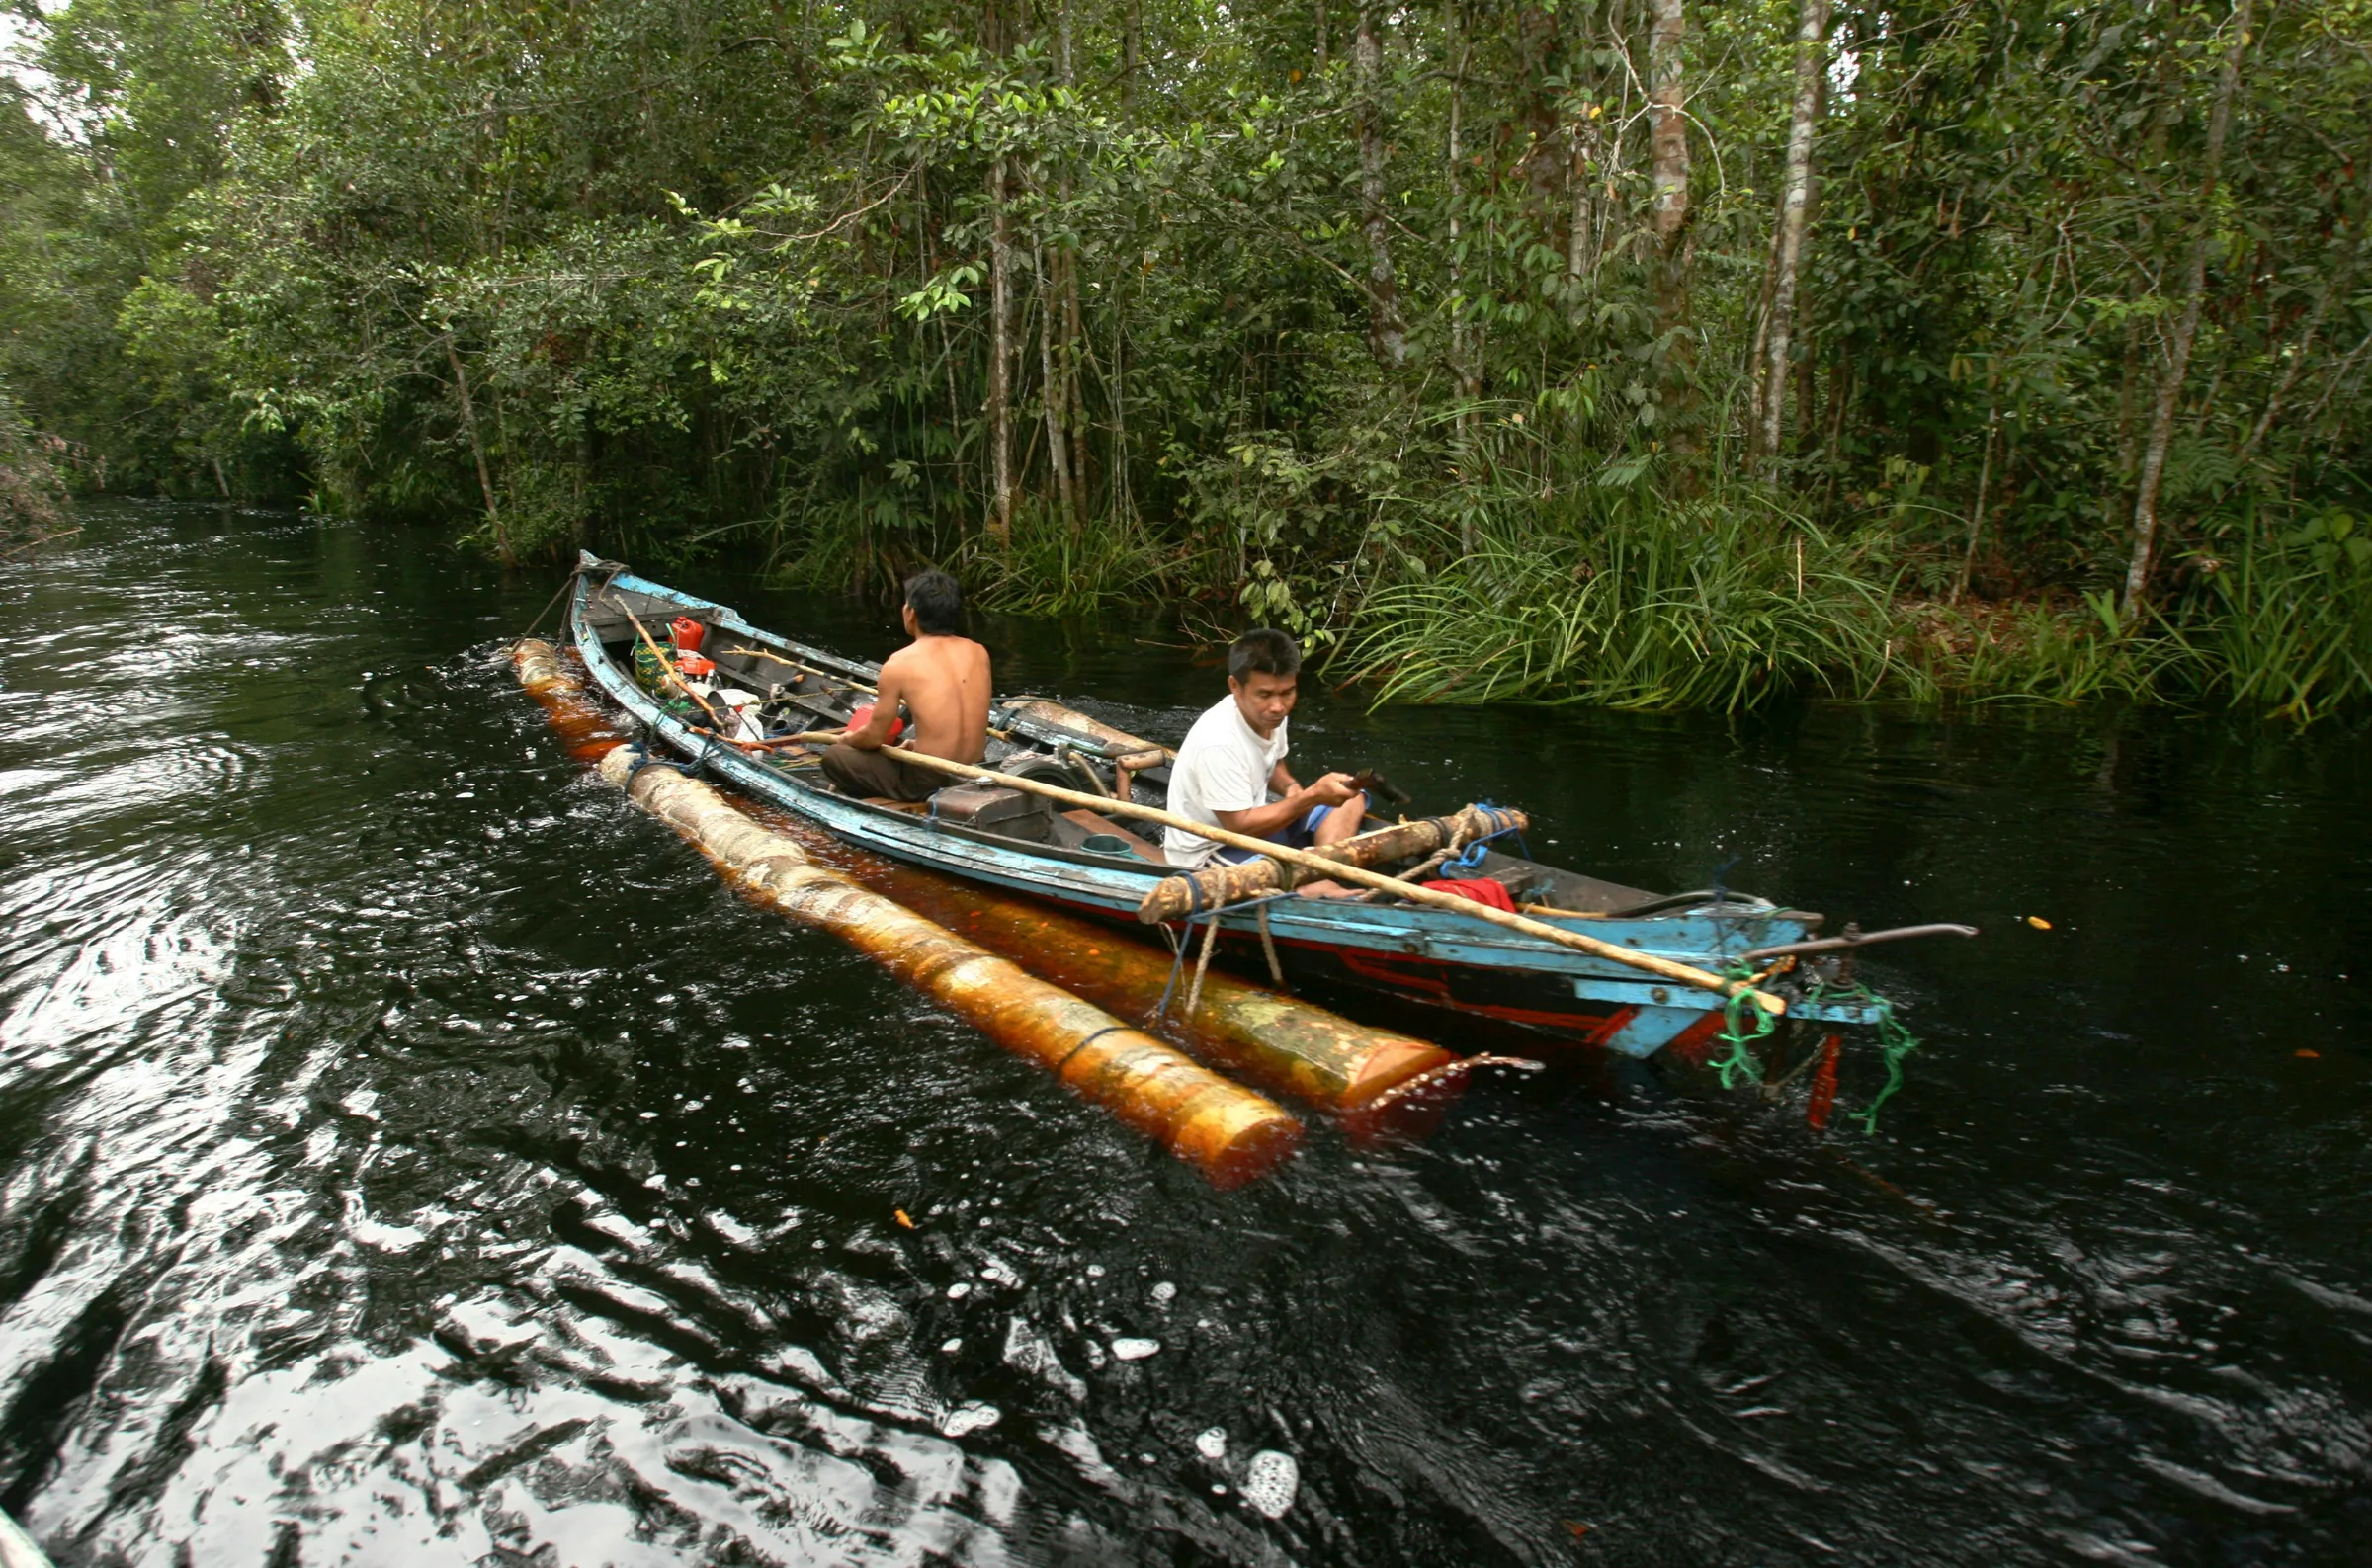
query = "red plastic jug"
{"x": 863, "y": 716}
{"x": 688, "y": 633}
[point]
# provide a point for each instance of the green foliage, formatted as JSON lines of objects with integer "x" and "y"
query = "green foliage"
{"x": 32, "y": 494}
{"x": 2289, "y": 627}
{"x": 1704, "y": 604}
{"x": 1054, "y": 569}
{"x": 667, "y": 280}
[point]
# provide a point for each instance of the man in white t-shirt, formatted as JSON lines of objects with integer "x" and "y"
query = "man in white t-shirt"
{"x": 1233, "y": 760}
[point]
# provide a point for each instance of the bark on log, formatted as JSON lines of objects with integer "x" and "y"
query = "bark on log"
{"x": 1216, "y": 886}
{"x": 1275, "y": 1043}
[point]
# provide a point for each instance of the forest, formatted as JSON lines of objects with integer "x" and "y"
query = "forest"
{"x": 1639, "y": 351}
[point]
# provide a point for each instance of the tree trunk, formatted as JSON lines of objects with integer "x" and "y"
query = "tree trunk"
{"x": 1667, "y": 120}
{"x": 1001, "y": 360}
{"x": 1322, "y": 35}
{"x": 1795, "y": 206}
{"x": 478, "y": 449}
{"x": 1582, "y": 240}
{"x": 2334, "y": 287}
{"x": 1132, "y": 29}
{"x": 1985, "y": 476}
{"x": 1668, "y": 144}
{"x": 1074, "y": 354}
{"x": 1055, "y": 398}
{"x": 1387, "y": 336}
{"x": 1470, "y": 384}
{"x": 1537, "y": 40}
{"x": 2187, "y": 327}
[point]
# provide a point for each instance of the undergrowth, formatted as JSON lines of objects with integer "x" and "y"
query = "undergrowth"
{"x": 1721, "y": 605}
{"x": 1707, "y": 605}
{"x": 1050, "y": 568}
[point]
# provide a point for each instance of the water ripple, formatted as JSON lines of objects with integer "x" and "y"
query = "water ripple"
{"x": 409, "y": 1155}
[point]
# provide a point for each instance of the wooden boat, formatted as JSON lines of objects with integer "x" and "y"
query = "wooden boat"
{"x": 766, "y": 684}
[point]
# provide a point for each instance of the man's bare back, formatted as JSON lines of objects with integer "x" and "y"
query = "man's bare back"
{"x": 943, "y": 680}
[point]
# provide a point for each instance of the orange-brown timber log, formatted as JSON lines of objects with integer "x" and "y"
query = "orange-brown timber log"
{"x": 1116, "y": 742}
{"x": 1277, "y": 1042}
{"x": 1176, "y": 897}
{"x": 1222, "y": 1128}
{"x": 553, "y": 683}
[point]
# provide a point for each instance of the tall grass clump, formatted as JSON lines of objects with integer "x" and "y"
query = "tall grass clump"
{"x": 1051, "y": 567}
{"x": 2288, "y": 626}
{"x": 1711, "y": 603}
{"x": 2051, "y": 651}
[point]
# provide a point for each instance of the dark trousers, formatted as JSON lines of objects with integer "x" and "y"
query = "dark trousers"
{"x": 866, "y": 774}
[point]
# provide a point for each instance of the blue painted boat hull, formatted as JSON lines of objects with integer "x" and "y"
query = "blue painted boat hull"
{"x": 1420, "y": 955}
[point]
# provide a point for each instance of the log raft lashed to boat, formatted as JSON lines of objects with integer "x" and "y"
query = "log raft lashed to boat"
{"x": 1587, "y": 959}
{"x": 1226, "y": 1132}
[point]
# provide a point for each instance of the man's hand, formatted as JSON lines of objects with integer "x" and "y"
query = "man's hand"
{"x": 1332, "y": 790}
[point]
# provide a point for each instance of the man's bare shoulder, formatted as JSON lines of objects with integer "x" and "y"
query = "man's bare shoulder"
{"x": 936, "y": 654}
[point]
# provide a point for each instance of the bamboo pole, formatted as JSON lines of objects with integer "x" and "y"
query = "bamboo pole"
{"x": 668, "y": 665}
{"x": 1670, "y": 969}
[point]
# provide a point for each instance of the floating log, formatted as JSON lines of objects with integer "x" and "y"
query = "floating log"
{"x": 1226, "y": 1132}
{"x": 582, "y": 723}
{"x": 1276, "y": 1042}
{"x": 1220, "y": 884}
{"x": 1119, "y": 745}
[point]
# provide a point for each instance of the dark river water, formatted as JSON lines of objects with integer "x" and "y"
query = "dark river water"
{"x": 410, "y": 1154}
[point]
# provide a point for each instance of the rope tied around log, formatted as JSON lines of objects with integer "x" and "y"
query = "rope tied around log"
{"x": 1357, "y": 876}
{"x": 1241, "y": 881}
{"x": 1208, "y": 918}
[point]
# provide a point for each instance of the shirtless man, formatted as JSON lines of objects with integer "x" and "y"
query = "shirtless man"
{"x": 1233, "y": 760}
{"x": 942, "y": 678}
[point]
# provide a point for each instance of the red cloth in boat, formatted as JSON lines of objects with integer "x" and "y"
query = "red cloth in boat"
{"x": 1482, "y": 890}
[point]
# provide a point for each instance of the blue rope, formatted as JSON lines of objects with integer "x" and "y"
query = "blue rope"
{"x": 1469, "y": 859}
{"x": 1177, "y": 963}
{"x": 1108, "y": 1029}
{"x": 643, "y": 759}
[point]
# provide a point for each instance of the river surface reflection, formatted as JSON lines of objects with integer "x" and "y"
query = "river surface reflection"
{"x": 411, "y": 1155}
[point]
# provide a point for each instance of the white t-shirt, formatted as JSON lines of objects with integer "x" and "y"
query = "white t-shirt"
{"x": 1222, "y": 765}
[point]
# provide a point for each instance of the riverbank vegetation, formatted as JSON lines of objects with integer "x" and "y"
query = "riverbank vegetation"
{"x": 1629, "y": 351}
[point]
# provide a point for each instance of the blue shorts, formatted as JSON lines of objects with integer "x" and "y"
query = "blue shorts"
{"x": 1293, "y": 835}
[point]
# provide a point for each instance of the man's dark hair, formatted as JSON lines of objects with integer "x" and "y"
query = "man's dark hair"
{"x": 937, "y": 601}
{"x": 1265, "y": 651}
